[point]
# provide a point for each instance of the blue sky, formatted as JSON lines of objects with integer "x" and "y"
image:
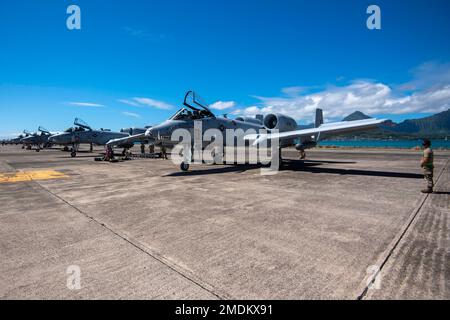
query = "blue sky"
{"x": 132, "y": 61}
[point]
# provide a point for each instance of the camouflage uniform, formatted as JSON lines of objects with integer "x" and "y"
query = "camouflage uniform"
{"x": 428, "y": 167}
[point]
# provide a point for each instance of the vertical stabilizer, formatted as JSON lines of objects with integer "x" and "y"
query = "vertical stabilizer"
{"x": 319, "y": 118}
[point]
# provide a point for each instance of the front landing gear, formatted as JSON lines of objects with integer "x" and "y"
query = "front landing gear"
{"x": 302, "y": 154}
{"x": 184, "y": 166}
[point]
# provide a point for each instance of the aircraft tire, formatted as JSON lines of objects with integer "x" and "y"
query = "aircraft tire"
{"x": 73, "y": 154}
{"x": 184, "y": 166}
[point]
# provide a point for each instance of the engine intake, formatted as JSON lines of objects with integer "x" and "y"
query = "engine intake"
{"x": 280, "y": 122}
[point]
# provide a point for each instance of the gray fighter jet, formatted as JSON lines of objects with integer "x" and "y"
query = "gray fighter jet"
{"x": 273, "y": 127}
{"x": 82, "y": 133}
{"x": 19, "y": 139}
{"x": 38, "y": 139}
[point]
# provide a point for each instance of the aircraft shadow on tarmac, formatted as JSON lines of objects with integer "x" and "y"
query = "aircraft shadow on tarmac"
{"x": 299, "y": 165}
{"x": 216, "y": 170}
{"x": 91, "y": 155}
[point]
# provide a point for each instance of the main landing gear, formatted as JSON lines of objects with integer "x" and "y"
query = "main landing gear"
{"x": 302, "y": 155}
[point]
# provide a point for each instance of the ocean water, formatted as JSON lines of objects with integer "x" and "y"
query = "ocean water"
{"x": 397, "y": 144}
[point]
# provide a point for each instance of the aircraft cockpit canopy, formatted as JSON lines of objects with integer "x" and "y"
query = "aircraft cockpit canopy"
{"x": 186, "y": 114}
{"x": 197, "y": 106}
{"x": 75, "y": 129}
{"x": 43, "y": 130}
{"x": 82, "y": 124}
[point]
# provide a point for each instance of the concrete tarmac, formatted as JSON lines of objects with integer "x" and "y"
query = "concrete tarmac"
{"x": 345, "y": 224}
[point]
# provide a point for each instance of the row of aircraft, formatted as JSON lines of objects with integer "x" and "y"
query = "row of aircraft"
{"x": 280, "y": 127}
{"x": 72, "y": 137}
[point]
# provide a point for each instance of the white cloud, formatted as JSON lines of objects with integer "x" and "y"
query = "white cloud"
{"x": 429, "y": 74}
{"x": 9, "y": 135}
{"x": 147, "y": 102}
{"x": 222, "y": 105}
{"x": 249, "y": 111}
{"x": 293, "y": 91}
{"x": 131, "y": 114}
{"x": 129, "y": 102}
{"x": 85, "y": 104}
{"x": 431, "y": 94}
{"x": 153, "y": 103}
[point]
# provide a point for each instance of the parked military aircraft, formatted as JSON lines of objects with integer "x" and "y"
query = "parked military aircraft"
{"x": 82, "y": 133}
{"x": 287, "y": 133}
{"x": 38, "y": 139}
{"x": 20, "y": 138}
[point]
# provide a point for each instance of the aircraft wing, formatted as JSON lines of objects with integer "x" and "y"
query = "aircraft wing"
{"x": 337, "y": 127}
{"x": 130, "y": 139}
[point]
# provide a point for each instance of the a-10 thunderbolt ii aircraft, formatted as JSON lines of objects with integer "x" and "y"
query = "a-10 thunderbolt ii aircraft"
{"x": 18, "y": 139}
{"x": 82, "y": 133}
{"x": 275, "y": 126}
{"x": 38, "y": 139}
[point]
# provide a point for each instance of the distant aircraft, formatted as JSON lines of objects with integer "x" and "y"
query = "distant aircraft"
{"x": 288, "y": 134}
{"x": 20, "y": 138}
{"x": 84, "y": 134}
{"x": 38, "y": 139}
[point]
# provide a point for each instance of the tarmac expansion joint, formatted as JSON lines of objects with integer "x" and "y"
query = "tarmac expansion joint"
{"x": 148, "y": 251}
{"x": 387, "y": 254}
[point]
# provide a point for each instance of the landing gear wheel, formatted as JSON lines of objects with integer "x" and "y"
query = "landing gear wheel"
{"x": 302, "y": 155}
{"x": 184, "y": 166}
{"x": 73, "y": 154}
{"x": 37, "y": 150}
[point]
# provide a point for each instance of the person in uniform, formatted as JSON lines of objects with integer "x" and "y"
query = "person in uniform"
{"x": 163, "y": 152}
{"x": 427, "y": 165}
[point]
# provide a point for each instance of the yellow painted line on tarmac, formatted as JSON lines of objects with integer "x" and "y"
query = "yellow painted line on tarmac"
{"x": 31, "y": 175}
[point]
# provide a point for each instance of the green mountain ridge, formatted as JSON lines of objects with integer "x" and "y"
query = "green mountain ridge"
{"x": 436, "y": 126}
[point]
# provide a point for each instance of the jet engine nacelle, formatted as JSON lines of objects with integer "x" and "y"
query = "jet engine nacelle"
{"x": 280, "y": 122}
{"x": 133, "y": 131}
{"x": 249, "y": 119}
